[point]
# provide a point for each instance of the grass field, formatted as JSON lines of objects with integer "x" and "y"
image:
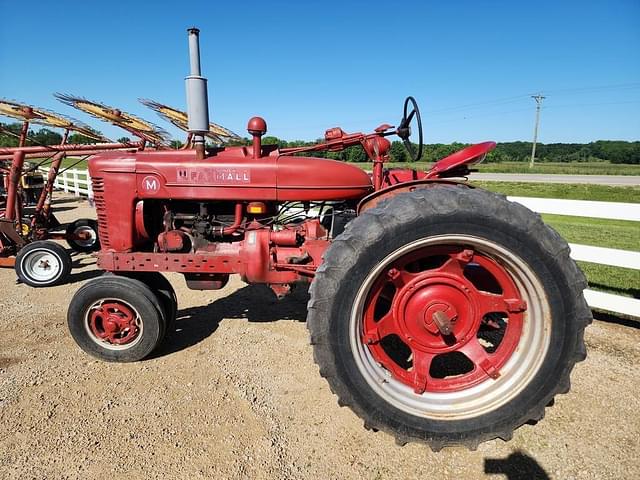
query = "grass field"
{"x": 603, "y": 233}
{"x": 602, "y": 193}
{"x": 574, "y": 168}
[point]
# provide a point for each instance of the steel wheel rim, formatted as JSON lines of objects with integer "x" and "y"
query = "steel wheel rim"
{"x": 105, "y": 337}
{"x": 481, "y": 398}
{"x": 90, "y": 241}
{"x": 42, "y": 265}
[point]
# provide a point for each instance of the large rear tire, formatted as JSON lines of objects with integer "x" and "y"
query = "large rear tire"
{"x": 448, "y": 315}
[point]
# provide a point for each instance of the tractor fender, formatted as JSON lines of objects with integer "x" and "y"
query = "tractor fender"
{"x": 375, "y": 198}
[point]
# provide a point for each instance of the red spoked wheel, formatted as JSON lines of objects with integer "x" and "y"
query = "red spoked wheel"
{"x": 450, "y": 326}
{"x": 443, "y": 318}
{"x": 113, "y": 324}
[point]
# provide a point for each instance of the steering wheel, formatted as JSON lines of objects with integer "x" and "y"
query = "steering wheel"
{"x": 404, "y": 129}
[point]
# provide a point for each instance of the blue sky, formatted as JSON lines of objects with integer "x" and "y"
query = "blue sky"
{"x": 309, "y": 65}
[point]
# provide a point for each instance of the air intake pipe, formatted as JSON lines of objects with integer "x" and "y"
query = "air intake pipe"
{"x": 197, "y": 99}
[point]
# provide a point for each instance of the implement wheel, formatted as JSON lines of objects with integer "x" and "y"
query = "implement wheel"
{"x": 82, "y": 235}
{"x": 42, "y": 264}
{"x": 448, "y": 315}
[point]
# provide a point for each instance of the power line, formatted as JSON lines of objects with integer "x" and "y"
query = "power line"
{"x": 538, "y": 98}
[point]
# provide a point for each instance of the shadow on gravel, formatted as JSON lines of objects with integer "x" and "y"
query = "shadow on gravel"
{"x": 58, "y": 201}
{"x": 30, "y": 209}
{"x": 517, "y": 466}
{"x": 620, "y": 320}
{"x": 82, "y": 276}
{"x": 255, "y": 303}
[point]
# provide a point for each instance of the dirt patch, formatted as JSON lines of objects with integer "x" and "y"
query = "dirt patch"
{"x": 234, "y": 393}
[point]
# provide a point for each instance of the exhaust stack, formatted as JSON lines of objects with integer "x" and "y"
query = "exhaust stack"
{"x": 197, "y": 99}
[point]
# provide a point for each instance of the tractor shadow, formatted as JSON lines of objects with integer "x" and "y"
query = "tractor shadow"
{"x": 254, "y": 303}
{"x": 81, "y": 261}
{"x": 517, "y": 466}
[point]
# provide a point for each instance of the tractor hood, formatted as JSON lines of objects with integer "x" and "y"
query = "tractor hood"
{"x": 231, "y": 174}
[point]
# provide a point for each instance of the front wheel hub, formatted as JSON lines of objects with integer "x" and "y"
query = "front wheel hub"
{"x": 114, "y": 323}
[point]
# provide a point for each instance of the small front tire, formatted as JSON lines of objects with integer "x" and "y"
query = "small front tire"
{"x": 116, "y": 319}
{"x": 164, "y": 291}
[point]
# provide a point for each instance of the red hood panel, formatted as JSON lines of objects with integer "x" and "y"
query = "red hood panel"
{"x": 320, "y": 179}
{"x": 233, "y": 174}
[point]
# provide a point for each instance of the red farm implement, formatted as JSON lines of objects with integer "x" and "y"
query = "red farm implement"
{"x": 25, "y": 240}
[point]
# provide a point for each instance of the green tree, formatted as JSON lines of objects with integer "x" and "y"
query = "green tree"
{"x": 398, "y": 152}
{"x": 79, "y": 139}
{"x": 44, "y": 136}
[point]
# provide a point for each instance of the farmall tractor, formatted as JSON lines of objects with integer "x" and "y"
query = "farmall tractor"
{"x": 438, "y": 312}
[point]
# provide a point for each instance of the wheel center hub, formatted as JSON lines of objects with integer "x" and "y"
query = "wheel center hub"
{"x": 114, "y": 324}
{"x": 435, "y": 313}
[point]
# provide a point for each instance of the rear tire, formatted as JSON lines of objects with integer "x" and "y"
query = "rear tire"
{"x": 88, "y": 227}
{"x": 43, "y": 264}
{"x": 404, "y": 306}
{"x": 116, "y": 319}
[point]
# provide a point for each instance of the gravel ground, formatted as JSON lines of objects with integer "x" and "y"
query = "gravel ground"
{"x": 234, "y": 393}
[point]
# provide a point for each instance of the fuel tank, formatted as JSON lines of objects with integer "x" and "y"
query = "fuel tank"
{"x": 229, "y": 174}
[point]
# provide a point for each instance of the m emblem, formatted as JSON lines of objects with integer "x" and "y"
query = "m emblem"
{"x": 150, "y": 185}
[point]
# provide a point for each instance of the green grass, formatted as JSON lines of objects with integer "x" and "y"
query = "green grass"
{"x": 569, "y": 168}
{"x": 603, "y": 193}
{"x": 603, "y": 233}
{"x": 66, "y": 162}
{"x": 618, "y": 234}
{"x": 79, "y": 164}
{"x": 573, "y": 168}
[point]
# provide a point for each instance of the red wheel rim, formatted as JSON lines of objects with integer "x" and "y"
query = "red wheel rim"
{"x": 114, "y": 322}
{"x": 431, "y": 310}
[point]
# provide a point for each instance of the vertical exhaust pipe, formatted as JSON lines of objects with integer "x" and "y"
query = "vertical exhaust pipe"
{"x": 197, "y": 99}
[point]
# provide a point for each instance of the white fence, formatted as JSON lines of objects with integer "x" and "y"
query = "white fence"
{"x": 78, "y": 182}
{"x": 72, "y": 180}
{"x": 600, "y": 255}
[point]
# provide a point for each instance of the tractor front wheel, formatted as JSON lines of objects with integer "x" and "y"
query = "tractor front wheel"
{"x": 448, "y": 315}
{"x": 163, "y": 289}
{"x": 116, "y": 319}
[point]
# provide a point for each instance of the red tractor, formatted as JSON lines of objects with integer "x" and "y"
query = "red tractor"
{"x": 438, "y": 312}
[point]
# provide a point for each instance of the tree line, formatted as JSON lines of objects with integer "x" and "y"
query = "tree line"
{"x": 614, "y": 151}
{"x": 10, "y": 132}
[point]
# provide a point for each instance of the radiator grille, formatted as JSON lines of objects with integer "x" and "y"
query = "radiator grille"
{"x": 97, "y": 184}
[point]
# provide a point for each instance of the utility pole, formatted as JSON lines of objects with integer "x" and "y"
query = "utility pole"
{"x": 538, "y": 98}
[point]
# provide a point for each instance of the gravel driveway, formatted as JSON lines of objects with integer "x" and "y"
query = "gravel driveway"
{"x": 234, "y": 393}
